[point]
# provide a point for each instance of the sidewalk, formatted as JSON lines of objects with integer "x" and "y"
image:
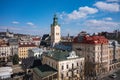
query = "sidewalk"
{"x": 108, "y": 73}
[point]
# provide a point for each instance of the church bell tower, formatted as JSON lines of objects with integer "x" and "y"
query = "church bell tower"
{"x": 55, "y": 32}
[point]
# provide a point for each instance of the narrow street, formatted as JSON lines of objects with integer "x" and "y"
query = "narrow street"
{"x": 110, "y": 78}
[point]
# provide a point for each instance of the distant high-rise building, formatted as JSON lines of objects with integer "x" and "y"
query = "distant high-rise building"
{"x": 55, "y": 31}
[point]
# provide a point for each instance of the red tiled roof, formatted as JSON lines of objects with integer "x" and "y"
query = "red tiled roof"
{"x": 92, "y": 40}
{"x": 75, "y": 40}
{"x": 4, "y": 45}
{"x": 36, "y": 39}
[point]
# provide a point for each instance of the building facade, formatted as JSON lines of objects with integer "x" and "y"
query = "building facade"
{"x": 13, "y": 43}
{"x": 68, "y": 64}
{"x": 114, "y": 55}
{"x": 5, "y": 52}
{"x": 35, "y": 52}
{"x": 23, "y": 49}
{"x": 36, "y": 41}
{"x": 95, "y": 49}
{"x": 5, "y": 73}
{"x": 55, "y": 32}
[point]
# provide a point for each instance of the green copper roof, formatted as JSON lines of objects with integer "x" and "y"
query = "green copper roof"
{"x": 44, "y": 70}
{"x": 55, "y": 20}
{"x": 59, "y": 55}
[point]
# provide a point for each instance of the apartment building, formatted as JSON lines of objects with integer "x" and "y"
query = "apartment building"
{"x": 114, "y": 55}
{"x": 95, "y": 49}
{"x": 23, "y": 49}
{"x": 5, "y": 52}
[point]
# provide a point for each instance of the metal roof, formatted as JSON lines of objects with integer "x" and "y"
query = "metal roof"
{"x": 44, "y": 70}
{"x": 61, "y": 55}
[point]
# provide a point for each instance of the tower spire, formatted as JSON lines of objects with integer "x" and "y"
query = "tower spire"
{"x": 55, "y": 20}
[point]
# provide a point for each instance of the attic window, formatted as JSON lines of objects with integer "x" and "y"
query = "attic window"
{"x": 72, "y": 55}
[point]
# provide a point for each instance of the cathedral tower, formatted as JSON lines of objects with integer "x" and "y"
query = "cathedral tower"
{"x": 55, "y": 32}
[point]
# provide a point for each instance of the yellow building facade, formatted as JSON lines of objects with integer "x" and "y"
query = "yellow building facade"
{"x": 23, "y": 49}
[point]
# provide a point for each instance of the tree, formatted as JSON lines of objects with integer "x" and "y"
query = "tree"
{"x": 15, "y": 59}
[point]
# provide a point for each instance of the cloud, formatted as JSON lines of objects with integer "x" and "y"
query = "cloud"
{"x": 15, "y": 22}
{"x": 107, "y": 18}
{"x": 82, "y": 12}
{"x": 112, "y": 7}
{"x": 62, "y": 15}
{"x": 30, "y": 23}
{"x": 101, "y": 23}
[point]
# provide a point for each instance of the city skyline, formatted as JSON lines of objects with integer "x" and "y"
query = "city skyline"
{"x": 35, "y": 17}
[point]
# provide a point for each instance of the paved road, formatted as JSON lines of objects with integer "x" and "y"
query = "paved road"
{"x": 109, "y": 78}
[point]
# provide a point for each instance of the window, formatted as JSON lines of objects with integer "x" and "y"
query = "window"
{"x": 77, "y": 64}
{"x": 62, "y": 76}
{"x": 77, "y": 71}
{"x": 67, "y": 74}
{"x": 57, "y": 33}
{"x": 93, "y": 59}
{"x": 62, "y": 67}
{"x": 39, "y": 55}
{"x": 72, "y": 65}
{"x": 67, "y": 66}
